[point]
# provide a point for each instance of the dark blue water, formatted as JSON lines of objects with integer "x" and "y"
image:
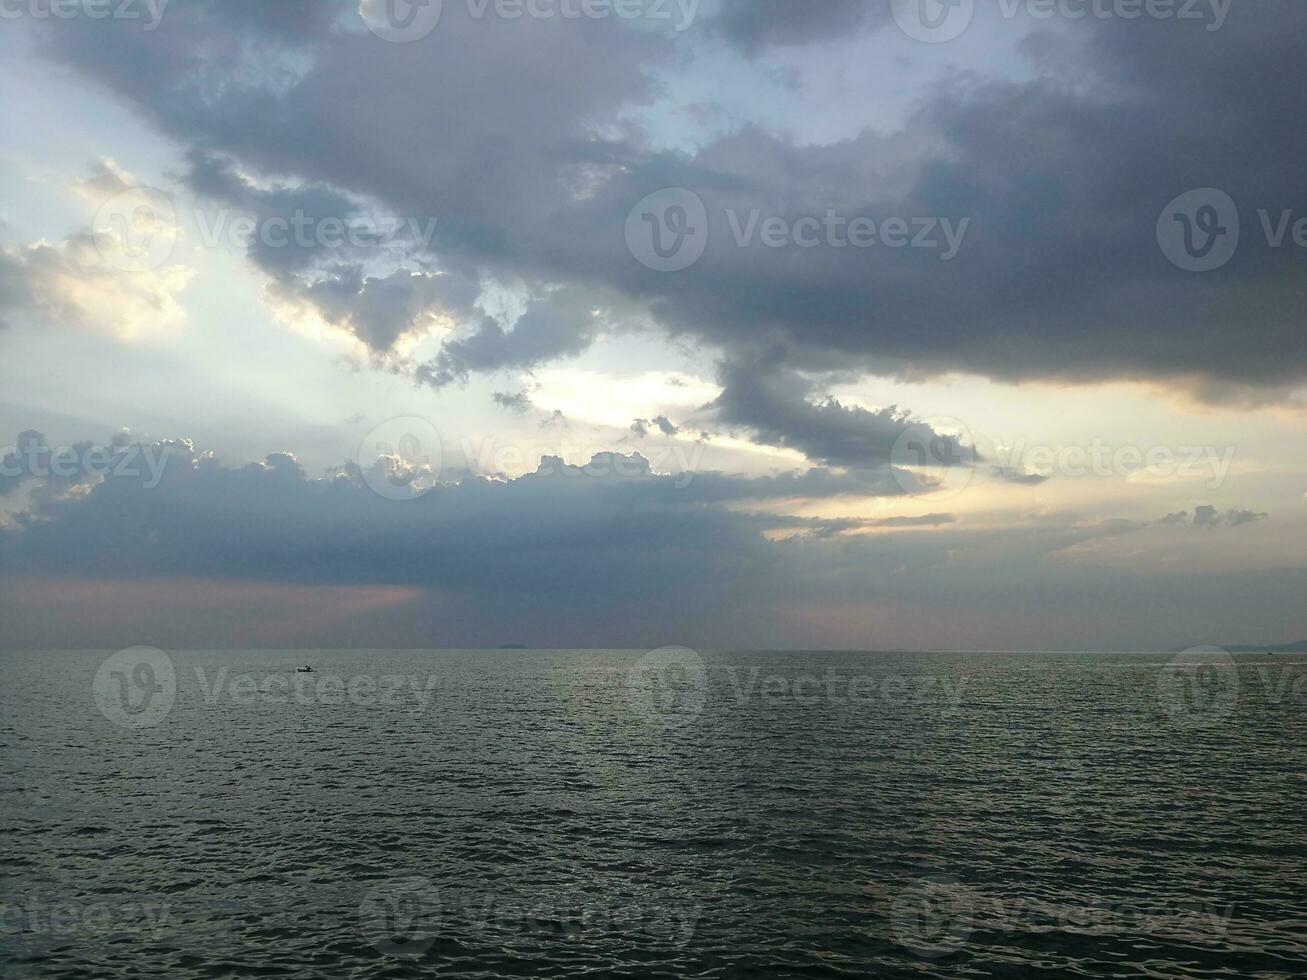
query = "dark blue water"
{"x": 556, "y": 814}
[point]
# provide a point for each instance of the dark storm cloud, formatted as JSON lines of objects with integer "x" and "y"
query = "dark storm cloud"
{"x": 775, "y": 405}
{"x": 515, "y": 402}
{"x": 55, "y": 473}
{"x": 610, "y": 524}
{"x": 1060, "y": 179}
{"x": 348, "y": 261}
{"x": 552, "y": 551}
{"x": 553, "y": 326}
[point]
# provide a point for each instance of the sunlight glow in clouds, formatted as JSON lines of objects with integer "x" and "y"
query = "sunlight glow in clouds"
{"x": 1133, "y": 422}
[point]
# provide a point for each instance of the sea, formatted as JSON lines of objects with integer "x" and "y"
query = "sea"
{"x": 667, "y": 813}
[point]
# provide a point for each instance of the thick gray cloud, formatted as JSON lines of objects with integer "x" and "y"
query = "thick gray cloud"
{"x": 774, "y": 404}
{"x": 544, "y": 553}
{"x": 353, "y": 263}
{"x": 554, "y": 326}
{"x": 612, "y": 523}
{"x": 515, "y": 402}
{"x": 532, "y": 169}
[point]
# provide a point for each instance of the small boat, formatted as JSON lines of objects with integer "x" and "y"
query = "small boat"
{"x": 306, "y": 669}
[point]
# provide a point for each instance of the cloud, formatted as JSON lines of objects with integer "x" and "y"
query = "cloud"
{"x": 542, "y": 552}
{"x": 753, "y": 25}
{"x": 103, "y": 278}
{"x": 1010, "y": 474}
{"x": 1208, "y": 517}
{"x": 775, "y": 405}
{"x": 78, "y": 283}
{"x": 58, "y": 473}
{"x": 556, "y": 325}
{"x": 359, "y": 267}
{"x": 519, "y": 402}
{"x": 1059, "y": 275}
{"x": 105, "y": 181}
{"x": 924, "y": 520}
{"x": 640, "y": 427}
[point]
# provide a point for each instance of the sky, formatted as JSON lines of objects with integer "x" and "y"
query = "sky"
{"x": 884, "y": 324}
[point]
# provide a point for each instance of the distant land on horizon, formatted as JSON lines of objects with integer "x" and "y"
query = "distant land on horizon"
{"x": 1299, "y": 647}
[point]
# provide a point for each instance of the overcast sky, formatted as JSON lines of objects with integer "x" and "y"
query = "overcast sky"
{"x": 728, "y": 323}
